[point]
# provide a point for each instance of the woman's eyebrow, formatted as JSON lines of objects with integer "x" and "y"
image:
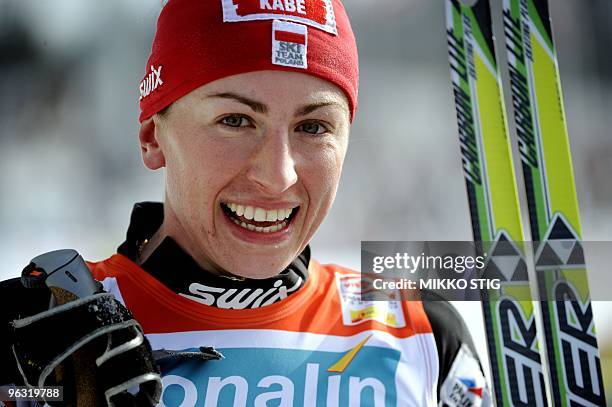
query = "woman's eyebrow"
{"x": 260, "y": 107}
{"x": 304, "y": 110}
{"x": 256, "y": 106}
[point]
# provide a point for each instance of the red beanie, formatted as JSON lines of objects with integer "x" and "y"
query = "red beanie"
{"x": 199, "y": 41}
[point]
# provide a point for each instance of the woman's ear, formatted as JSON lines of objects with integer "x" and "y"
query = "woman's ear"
{"x": 152, "y": 154}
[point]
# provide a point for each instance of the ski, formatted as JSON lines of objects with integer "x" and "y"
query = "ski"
{"x": 512, "y": 340}
{"x": 571, "y": 344}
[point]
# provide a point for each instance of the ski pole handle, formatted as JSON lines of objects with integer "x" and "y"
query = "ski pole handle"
{"x": 62, "y": 270}
{"x": 68, "y": 278}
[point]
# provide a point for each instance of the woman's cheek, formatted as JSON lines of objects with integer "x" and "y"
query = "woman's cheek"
{"x": 322, "y": 182}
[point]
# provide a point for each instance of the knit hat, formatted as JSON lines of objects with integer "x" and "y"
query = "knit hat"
{"x": 199, "y": 41}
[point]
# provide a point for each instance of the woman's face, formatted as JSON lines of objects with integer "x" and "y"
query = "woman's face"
{"x": 252, "y": 167}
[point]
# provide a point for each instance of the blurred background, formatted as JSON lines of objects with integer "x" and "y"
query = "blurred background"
{"x": 70, "y": 167}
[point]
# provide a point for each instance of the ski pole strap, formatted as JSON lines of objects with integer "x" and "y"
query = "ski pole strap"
{"x": 128, "y": 363}
{"x": 125, "y": 358}
{"x": 204, "y": 353}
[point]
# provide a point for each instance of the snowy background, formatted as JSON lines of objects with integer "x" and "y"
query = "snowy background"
{"x": 70, "y": 168}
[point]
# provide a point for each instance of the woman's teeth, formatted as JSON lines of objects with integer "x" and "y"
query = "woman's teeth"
{"x": 260, "y": 215}
{"x": 267, "y": 229}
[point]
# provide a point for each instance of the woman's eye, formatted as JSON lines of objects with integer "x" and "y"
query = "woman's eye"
{"x": 312, "y": 128}
{"x": 235, "y": 121}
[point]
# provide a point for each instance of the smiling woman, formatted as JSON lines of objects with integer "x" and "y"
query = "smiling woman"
{"x": 262, "y": 142}
{"x": 247, "y": 107}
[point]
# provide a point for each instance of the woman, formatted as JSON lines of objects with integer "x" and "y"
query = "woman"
{"x": 247, "y": 105}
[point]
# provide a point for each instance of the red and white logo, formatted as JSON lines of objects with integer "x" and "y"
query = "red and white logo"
{"x": 315, "y": 13}
{"x": 289, "y": 44}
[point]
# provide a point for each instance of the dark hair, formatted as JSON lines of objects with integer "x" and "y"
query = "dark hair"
{"x": 164, "y": 111}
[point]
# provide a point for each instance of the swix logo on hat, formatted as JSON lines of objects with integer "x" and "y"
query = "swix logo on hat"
{"x": 316, "y": 13}
{"x": 151, "y": 82}
{"x": 289, "y": 44}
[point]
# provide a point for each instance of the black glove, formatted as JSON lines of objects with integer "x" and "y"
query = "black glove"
{"x": 91, "y": 339}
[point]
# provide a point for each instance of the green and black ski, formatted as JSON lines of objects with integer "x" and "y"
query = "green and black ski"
{"x": 512, "y": 339}
{"x": 571, "y": 344}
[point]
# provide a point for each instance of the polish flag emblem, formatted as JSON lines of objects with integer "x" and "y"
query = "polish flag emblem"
{"x": 288, "y": 36}
{"x": 289, "y": 44}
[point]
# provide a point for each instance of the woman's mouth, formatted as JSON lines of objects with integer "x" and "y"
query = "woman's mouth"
{"x": 259, "y": 219}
